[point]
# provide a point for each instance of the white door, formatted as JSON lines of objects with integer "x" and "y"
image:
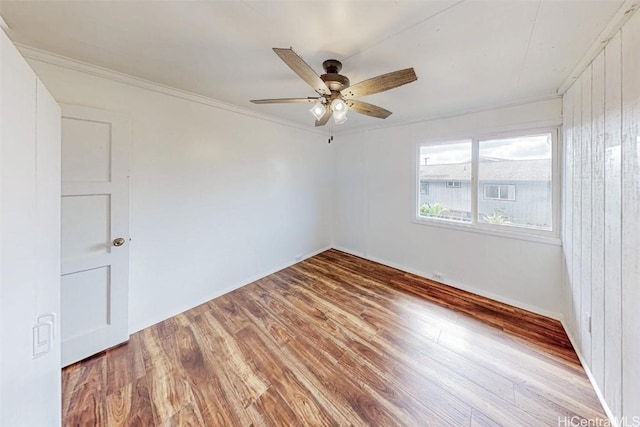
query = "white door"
{"x": 29, "y": 245}
{"x": 95, "y": 231}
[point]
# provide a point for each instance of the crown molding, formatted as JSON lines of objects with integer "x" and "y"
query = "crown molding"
{"x": 40, "y": 55}
{"x": 3, "y": 24}
{"x": 44, "y": 56}
{"x": 628, "y": 8}
{"x": 464, "y": 112}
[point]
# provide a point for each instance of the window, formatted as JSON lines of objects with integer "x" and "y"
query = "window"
{"x": 424, "y": 187}
{"x": 527, "y": 161}
{"x": 445, "y": 167}
{"x": 500, "y": 192}
{"x": 487, "y": 172}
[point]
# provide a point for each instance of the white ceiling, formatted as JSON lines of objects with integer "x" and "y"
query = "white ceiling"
{"x": 467, "y": 54}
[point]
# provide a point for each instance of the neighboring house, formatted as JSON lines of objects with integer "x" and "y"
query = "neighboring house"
{"x": 518, "y": 191}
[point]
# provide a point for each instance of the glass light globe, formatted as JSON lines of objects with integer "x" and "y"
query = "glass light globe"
{"x": 338, "y": 105}
{"x": 318, "y": 110}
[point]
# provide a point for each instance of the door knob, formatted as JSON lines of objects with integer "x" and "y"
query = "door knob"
{"x": 118, "y": 242}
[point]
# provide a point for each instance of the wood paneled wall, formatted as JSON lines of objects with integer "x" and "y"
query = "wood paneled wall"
{"x": 601, "y": 219}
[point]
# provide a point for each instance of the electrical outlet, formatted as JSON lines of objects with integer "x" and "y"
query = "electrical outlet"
{"x": 298, "y": 257}
{"x": 438, "y": 276}
{"x": 587, "y": 319}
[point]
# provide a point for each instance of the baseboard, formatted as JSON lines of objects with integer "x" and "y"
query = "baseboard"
{"x": 585, "y": 366}
{"x": 462, "y": 287}
{"x": 219, "y": 292}
{"x": 349, "y": 251}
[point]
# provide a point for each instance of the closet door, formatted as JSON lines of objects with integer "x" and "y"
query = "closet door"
{"x": 29, "y": 246}
{"x": 47, "y": 250}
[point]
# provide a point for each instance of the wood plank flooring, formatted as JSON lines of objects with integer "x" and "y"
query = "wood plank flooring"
{"x": 337, "y": 340}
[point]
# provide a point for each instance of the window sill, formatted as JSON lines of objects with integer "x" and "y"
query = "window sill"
{"x": 510, "y": 233}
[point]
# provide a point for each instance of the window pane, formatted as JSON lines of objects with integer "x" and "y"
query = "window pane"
{"x": 447, "y": 170}
{"x": 516, "y": 176}
{"x": 490, "y": 191}
{"x": 503, "y": 192}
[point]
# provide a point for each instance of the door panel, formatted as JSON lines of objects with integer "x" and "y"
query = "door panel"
{"x": 86, "y": 151}
{"x": 86, "y": 225}
{"x": 95, "y": 211}
{"x": 92, "y": 288}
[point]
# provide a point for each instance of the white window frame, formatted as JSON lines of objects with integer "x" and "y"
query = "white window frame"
{"x": 510, "y": 231}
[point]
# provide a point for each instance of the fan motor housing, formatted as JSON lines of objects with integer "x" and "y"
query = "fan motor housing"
{"x": 332, "y": 78}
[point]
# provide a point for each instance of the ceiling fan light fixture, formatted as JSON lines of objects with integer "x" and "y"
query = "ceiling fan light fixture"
{"x": 340, "y": 118}
{"x": 338, "y": 106}
{"x": 318, "y": 110}
{"x": 334, "y": 88}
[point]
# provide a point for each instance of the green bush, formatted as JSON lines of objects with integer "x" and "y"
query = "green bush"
{"x": 427, "y": 209}
{"x": 499, "y": 216}
{"x": 494, "y": 218}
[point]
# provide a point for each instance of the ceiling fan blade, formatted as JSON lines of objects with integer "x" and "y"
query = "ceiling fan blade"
{"x": 303, "y": 70}
{"x": 368, "y": 109}
{"x": 284, "y": 100}
{"x": 325, "y": 118}
{"x": 380, "y": 83}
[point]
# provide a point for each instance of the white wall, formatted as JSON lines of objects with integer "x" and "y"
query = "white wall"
{"x": 602, "y": 219}
{"x": 218, "y": 198}
{"x": 374, "y": 209}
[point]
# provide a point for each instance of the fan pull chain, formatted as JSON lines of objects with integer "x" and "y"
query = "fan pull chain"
{"x": 330, "y": 139}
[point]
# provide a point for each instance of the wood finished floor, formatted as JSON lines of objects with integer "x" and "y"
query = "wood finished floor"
{"x": 336, "y": 340}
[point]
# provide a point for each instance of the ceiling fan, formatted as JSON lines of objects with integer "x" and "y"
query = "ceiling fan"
{"x": 336, "y": 94}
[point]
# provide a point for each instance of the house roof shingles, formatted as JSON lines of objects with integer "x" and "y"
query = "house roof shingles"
{"x": 504, "y": 170}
